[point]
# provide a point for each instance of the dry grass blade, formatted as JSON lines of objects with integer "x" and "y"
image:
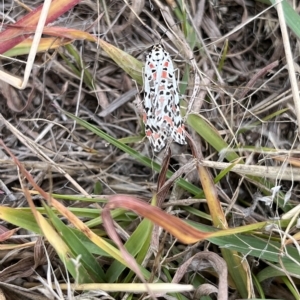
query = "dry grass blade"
{"x": 39, "y": 151}
{"x": 77, "y": 138}
{"x": 219, "y": 266}
{"x": 283, "y": 172}
{"x": 290, "y": 60}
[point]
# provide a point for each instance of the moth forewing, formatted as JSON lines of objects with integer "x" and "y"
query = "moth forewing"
{"x": 161, "y": 105}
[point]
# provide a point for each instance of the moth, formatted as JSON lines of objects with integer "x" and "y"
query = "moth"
{"x": 161, "y": 115}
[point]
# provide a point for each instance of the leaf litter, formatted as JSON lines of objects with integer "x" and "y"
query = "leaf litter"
{"x": 247, "y": 101}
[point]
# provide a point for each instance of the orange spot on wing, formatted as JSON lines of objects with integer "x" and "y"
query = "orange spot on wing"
{"x": 156, "y": 136}
{"x": 144, "y": 117}
{"x": 169, "y": 120}
{"x": 164, "y": 74}
{"x": 148, "y": 132}
{"x": 180, "y": 129}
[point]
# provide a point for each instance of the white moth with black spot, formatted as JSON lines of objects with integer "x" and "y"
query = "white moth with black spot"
{"x": 161, "y": 105}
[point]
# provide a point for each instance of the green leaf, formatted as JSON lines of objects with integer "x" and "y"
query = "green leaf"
{"x": 87, "y": 260}
{"x": 272, "y": 271}
{"x": 138, "y": 240}
{"x": 20, "y": 218}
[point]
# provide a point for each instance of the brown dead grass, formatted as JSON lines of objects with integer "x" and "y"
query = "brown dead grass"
{"x": 244, "y": 91}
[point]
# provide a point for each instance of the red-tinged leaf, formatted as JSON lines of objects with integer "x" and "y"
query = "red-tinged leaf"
{"x": 44, "y": 45}
{"x": 6, "y": 234}
{"x": 129, "y": 64}
{"x": 181, "y": 230}
{"x": 69, "y": 33}
{"x": 178, "y": 228}
{"x": 11, "y": 36}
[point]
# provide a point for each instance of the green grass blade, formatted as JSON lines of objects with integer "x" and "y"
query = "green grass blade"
{"x": 137, "y": 241}
{"x": 140, "y": 158}
{"x": 77, "y": 247}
